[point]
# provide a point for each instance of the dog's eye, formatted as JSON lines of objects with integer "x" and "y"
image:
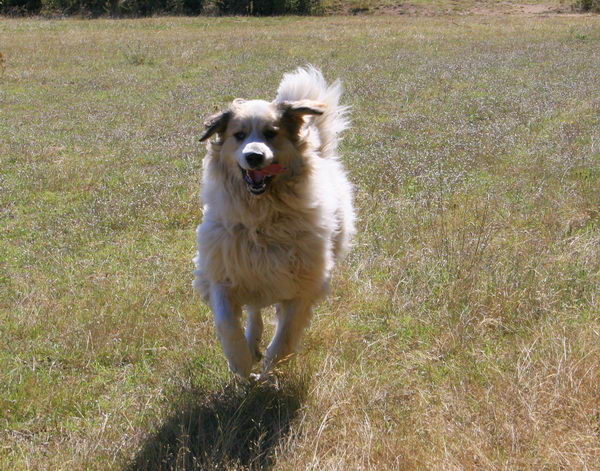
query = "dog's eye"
{"x": 270, "y": 133}
{"x": 240, "y": 136}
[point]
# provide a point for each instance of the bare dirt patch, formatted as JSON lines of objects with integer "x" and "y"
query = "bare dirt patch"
{"x": 521, "y": 10}
{"x": 457, "y": 8}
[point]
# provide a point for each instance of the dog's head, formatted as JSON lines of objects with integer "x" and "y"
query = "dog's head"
{"x": 258, "y": 140}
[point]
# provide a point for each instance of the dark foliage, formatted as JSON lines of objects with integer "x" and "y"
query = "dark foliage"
{"x": 268, "y": 7}
{"x": 587, "y": 5}
{"x": 133, "y": 8}
{"x": 20, "y": 7}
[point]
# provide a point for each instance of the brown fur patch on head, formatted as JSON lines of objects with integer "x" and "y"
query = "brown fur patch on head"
{"x": 216, "y": 123}
{"x": 293, "y": 113}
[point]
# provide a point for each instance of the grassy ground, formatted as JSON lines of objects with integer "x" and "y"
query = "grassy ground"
{"x": 462, "y": 331}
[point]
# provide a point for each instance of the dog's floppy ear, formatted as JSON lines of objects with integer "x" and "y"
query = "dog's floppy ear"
{"x": 303, "y": 107}
{"x": 300, "y": 108}
{"x": 216, "y": 123}
{"x": 293, "y": 112}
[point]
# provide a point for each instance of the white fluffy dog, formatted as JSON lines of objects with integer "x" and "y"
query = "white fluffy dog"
{"x": 277, "y": 214}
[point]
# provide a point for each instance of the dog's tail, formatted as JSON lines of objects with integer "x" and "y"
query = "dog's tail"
{"x": 308, "y": 84}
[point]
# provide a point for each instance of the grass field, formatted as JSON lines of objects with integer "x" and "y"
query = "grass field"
{"x": 463, "y": 331}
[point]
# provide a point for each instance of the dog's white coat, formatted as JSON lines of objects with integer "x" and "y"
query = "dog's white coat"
{"x": 279, "y": 247}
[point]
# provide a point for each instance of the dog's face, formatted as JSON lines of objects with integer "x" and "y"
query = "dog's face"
{"x": 257, "y": 138}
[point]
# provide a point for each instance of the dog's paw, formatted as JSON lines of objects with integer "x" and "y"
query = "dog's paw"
{"x": 265, "y": 379}
{"x": 255, "y": 377}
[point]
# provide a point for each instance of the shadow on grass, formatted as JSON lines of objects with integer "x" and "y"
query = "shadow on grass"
{"x": 237, "y": 427}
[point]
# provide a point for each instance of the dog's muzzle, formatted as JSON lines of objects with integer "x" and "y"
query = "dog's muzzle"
{"x": 258, "y": 180}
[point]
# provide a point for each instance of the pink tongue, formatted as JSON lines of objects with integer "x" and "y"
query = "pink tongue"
{"x": 273, "y": 169}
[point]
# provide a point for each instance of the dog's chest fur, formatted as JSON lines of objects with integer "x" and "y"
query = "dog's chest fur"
{"x": 267, "y": 251}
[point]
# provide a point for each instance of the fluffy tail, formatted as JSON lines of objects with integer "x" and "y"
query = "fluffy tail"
{"x": 308, "y": 84}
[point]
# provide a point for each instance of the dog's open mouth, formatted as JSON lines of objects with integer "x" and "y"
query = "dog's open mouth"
{"x": 258, "y": 180}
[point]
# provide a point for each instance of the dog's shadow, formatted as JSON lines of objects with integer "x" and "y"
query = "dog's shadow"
{"x": 237, "y": 427}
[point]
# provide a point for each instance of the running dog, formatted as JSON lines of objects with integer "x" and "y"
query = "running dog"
{"x": 277, "y": 214}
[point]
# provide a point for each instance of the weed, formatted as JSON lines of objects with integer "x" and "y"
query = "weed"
{"x": 138, "y": 53}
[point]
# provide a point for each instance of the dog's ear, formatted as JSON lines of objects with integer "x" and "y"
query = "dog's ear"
{"x": 293, "y": 112}
{"x": 303, "y": 107}
{"x": 216, "y": 123}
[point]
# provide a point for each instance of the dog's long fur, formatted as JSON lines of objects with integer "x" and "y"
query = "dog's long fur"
{"x": 278, "y": 247}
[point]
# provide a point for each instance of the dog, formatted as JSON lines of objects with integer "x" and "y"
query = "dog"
{"x": 277, "y": 215}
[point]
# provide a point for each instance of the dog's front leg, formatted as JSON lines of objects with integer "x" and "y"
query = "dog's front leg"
{"x": 229, "y": 329}
{"x": 254, "y": 330}
{"x": 292, "y": 318}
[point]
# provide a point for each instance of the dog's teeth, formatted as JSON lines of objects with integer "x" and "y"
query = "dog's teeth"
{"x": 256, "y": 181}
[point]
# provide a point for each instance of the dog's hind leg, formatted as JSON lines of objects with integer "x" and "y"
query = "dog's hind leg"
{"x": 228, "y": 316}
{"x": 292, "y": 318}
{"x": 254, "y": 330}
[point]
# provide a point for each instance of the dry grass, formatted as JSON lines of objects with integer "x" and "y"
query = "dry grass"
{"x": 463, "y": 330}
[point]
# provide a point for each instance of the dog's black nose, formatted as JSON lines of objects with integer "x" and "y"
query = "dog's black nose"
{"x": 255, "y": 160}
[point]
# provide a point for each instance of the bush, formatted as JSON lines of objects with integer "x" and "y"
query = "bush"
{"x": 77, "y": 7}
{"x": 20, "y": 7}
{"x": 268, "y": 7}
{"x": 94, "y": 8}
{"x": 150, "y": 7}
{"x": 587, "y": 5}
{"x": 232, "y": 7}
